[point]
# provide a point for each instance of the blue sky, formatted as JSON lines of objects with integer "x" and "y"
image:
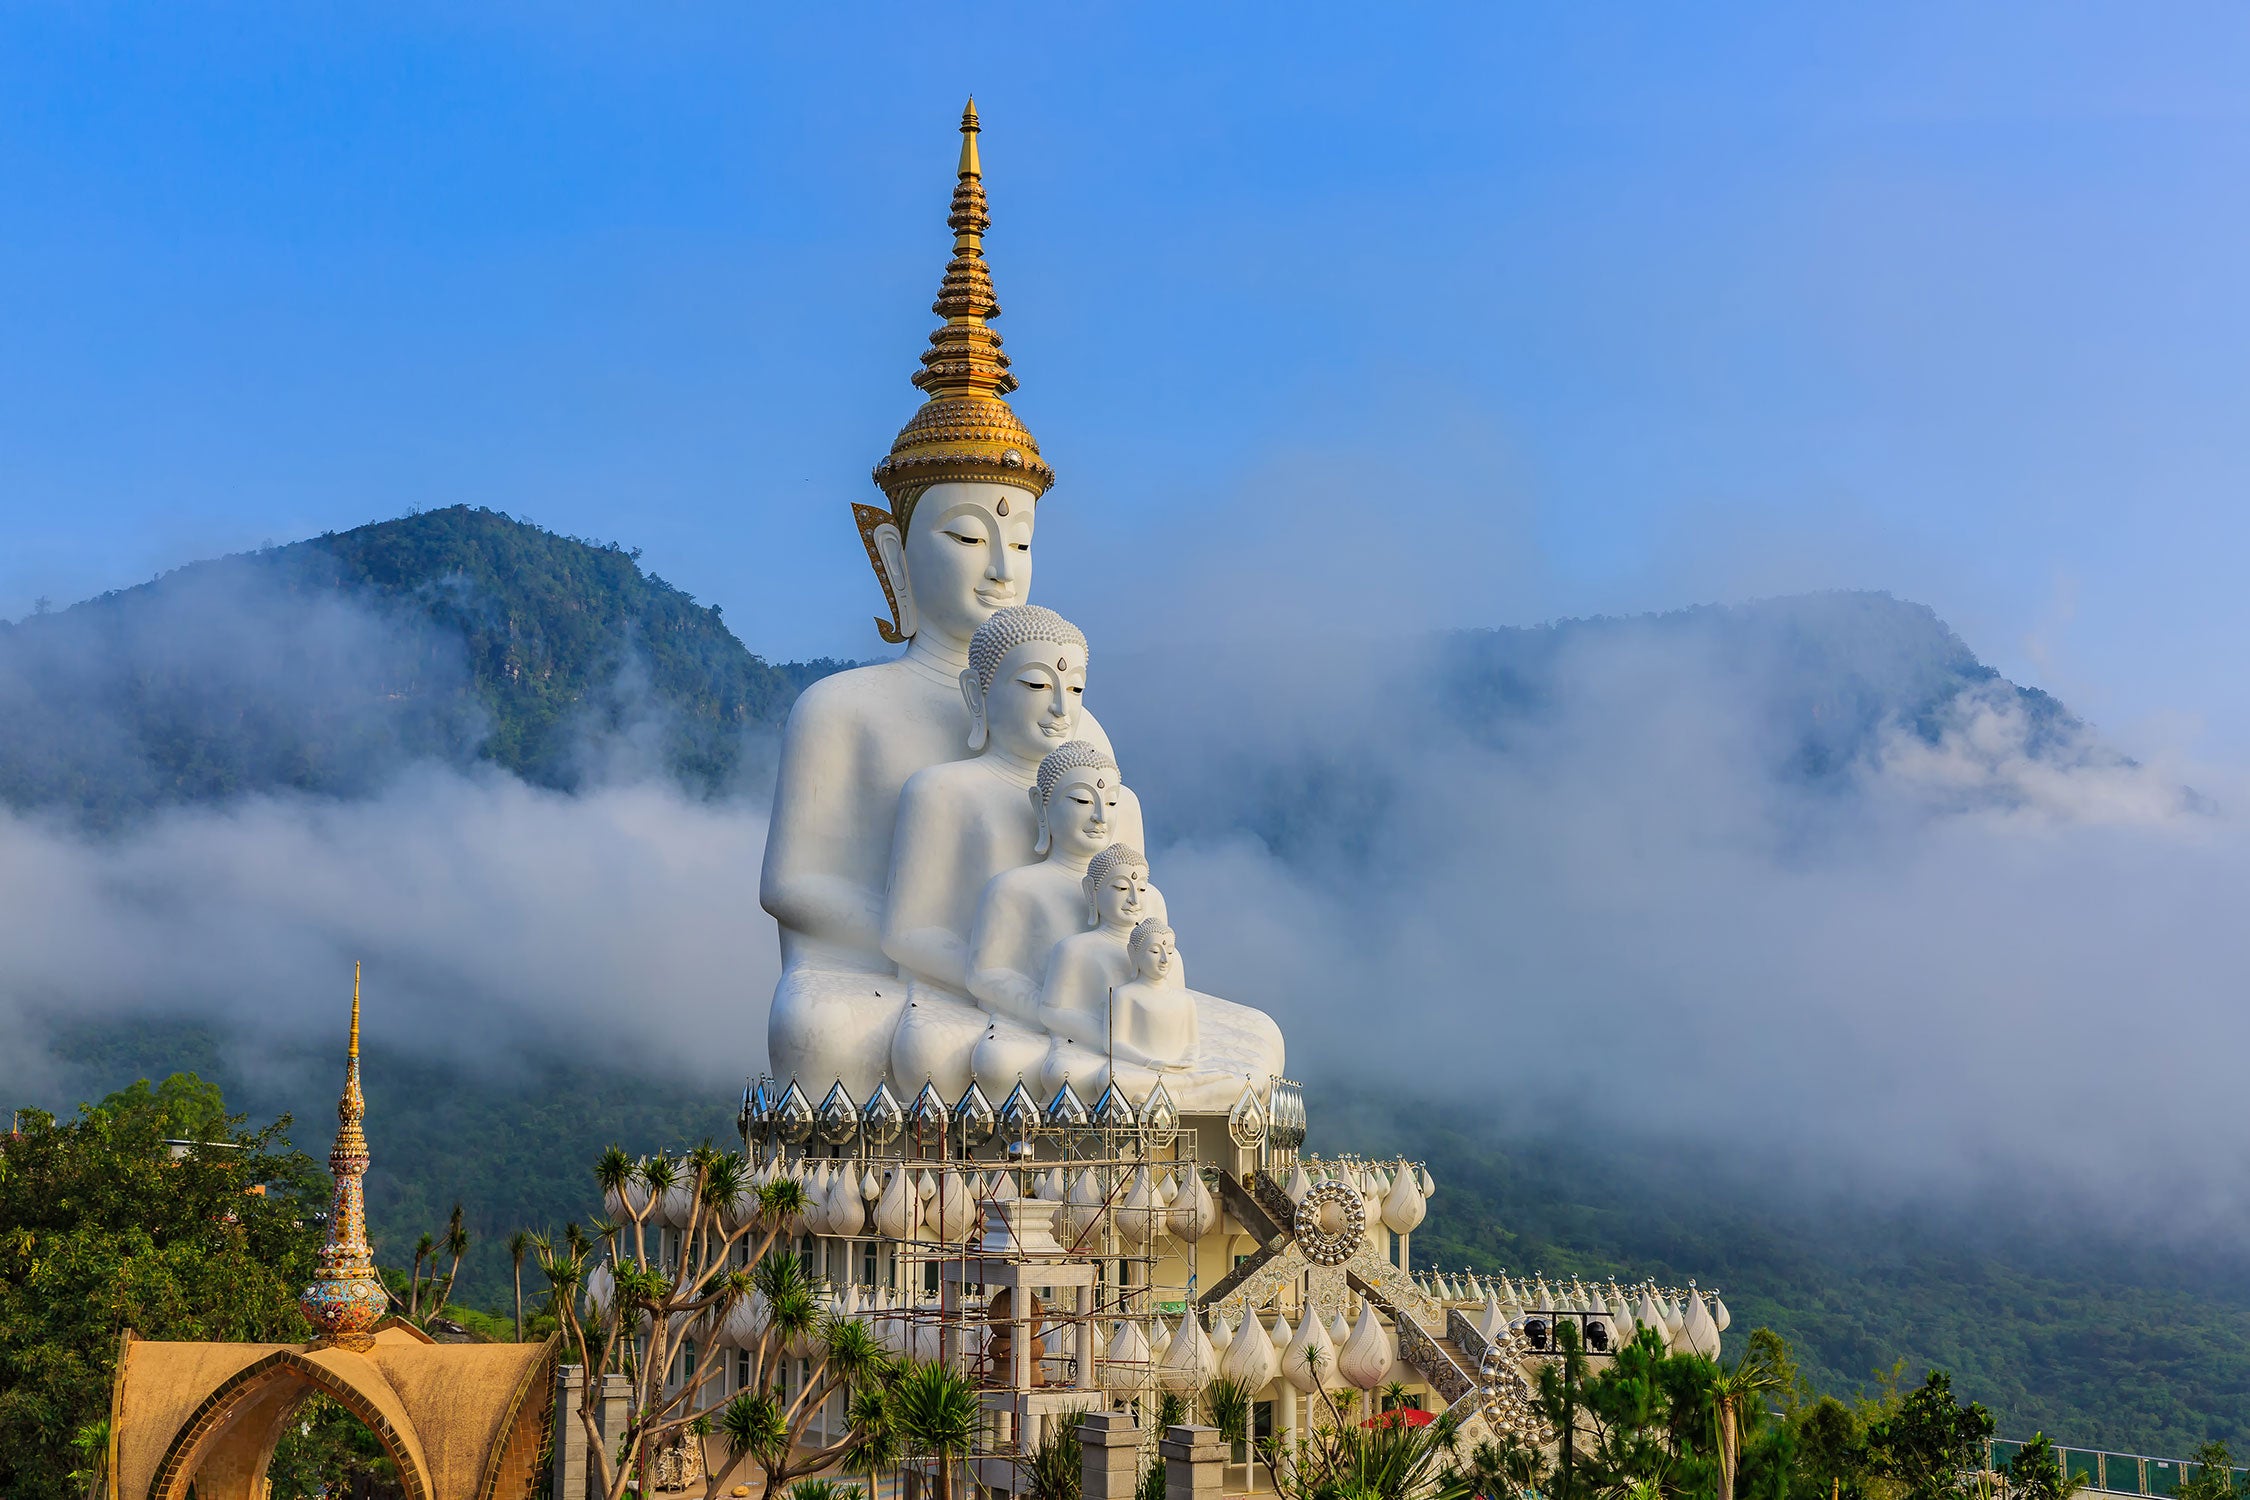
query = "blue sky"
{"x": 1329, "y": 318}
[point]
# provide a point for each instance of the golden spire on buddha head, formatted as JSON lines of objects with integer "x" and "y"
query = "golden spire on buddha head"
{"x": 965, "y": 431}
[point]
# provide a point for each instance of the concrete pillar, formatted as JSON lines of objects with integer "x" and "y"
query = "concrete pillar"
{"x": 617, "y": 1414}
{"x": 1111, "y": 1462}
{"x": 1194, "y": 1463}
{"x": 570, "y": 1434}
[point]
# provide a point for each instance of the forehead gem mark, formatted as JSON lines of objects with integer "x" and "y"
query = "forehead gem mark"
{"x": 1003, "y": 505}
{"x": 1062, "y": 664}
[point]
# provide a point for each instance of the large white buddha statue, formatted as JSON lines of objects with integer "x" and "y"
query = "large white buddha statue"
{"x": 963, "y": 480}
{"x": 919, "y": 862}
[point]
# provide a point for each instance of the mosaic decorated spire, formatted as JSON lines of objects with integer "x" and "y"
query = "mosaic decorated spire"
{"x": 345, "y": 1301}
{"x": 965, "y": 430}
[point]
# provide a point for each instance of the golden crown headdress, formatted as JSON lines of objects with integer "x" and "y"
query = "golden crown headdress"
{"x": 964, "y": 431}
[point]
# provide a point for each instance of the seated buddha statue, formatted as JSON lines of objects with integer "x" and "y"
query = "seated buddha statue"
{"x": 1081, "y": 802}
{"x": 1152, "y": 1015}
{"x": 951, "y": 545}
{"x": 963, "y": 822}
{"x": 1084, "y": 967}
{"x": 1115, "y": 1004}
{"x": 1025, "y": 912}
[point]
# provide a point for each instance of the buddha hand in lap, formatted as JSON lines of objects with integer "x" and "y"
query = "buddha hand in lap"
{"x": 964, "y": 822}
{"x": 948, "y": 555}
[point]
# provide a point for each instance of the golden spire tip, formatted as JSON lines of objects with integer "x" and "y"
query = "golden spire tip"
{"x": 970, "y": 166}
{"x": 355, "y": 1009}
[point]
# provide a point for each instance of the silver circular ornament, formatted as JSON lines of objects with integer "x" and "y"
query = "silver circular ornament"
{"x": 1330, "y": 1247}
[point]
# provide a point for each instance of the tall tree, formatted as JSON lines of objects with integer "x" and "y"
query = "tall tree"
{"x": 1738, "y": 1395}
{"x": 662, "y": 1315}
{"x": 518, "y": 1243}
{"x": 103, "y": 1228}
{"x": 937, "y": 1414}
{"x": 1932, "y": 1443}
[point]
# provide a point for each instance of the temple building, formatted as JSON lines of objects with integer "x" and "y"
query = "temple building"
{"x": 456, "y": 1420}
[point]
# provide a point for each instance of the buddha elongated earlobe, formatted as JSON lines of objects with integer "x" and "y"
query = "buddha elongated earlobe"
{"x": 1093, "y": 907}
{"x": 972, "y": 693}
{"x": 1039, "y": 811}
{"x": 890, "y": 554}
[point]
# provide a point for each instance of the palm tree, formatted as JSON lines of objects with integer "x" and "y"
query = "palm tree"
{"x": 875, "y": 1447}
{"x": 518, "y": 1243}
{"x": 1738, "y": 1392}
{"x": 456, "y": 1245}
{"x": 425, "y": 1248}
{"x": 937, "y": 1413}
{"x": 1228, "y": 1402}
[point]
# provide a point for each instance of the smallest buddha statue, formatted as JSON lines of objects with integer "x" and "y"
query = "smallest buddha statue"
{"x": 1152, "y": 1015}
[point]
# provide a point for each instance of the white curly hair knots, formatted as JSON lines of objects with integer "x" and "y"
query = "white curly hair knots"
{"x": 1098, "y": 871}
{"x": 1075, "y": 755}
{"x": 1017, "y": 625}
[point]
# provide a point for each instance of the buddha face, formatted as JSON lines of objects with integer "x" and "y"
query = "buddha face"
{"x": 1122, "y": 900}
{"x": 967, "y": 552}
{"x": 1082, "y": 816}
{"x": 1032, "y": 705}
{"x": 1154, "y": 961}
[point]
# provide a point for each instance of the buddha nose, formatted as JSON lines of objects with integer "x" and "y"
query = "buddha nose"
{"x": 1002, "y": 568}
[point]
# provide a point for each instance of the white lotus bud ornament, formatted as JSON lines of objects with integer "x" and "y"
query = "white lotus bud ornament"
{"x": 601, "y": 1288}
{"x": 1194, "y": 1213}
{"x": 1139, "y": 1218}
{"x": 1702, "y": 1333}
{"x": 1249, "y": 1355}
{"x": 1188, "y": 1363}
{"x": 898, "y": 1211}
{"x": 1365, "y": 1358}
{"x": 1310, "y": 1360}
{"x": 1128, "y": 1358}
{"x": 844, "y": 1208}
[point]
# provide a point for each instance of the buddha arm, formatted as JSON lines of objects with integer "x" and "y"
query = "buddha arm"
{"x": 817, "y": 878}
{"x": 998, "y": 935}
{"x": 1073, "y": 992}
{"x": 925, "y": 859}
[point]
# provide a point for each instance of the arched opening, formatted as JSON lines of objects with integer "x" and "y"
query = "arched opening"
{"x": 226, "y": 1449}
{"x": 325, "y": 1452}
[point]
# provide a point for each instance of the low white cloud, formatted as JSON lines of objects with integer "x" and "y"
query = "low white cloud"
{"x": 492, "y": 916}
{"x": 1983, "y": 947}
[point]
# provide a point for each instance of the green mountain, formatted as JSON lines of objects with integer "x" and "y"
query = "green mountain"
{"x": 327, "y": 665}
{"x": 463, "y": 636}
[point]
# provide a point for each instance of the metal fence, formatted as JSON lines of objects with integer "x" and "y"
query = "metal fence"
{"x": 2115, "y": 1473}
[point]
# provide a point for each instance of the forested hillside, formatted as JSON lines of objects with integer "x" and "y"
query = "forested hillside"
{"x": 324, "y": 666}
